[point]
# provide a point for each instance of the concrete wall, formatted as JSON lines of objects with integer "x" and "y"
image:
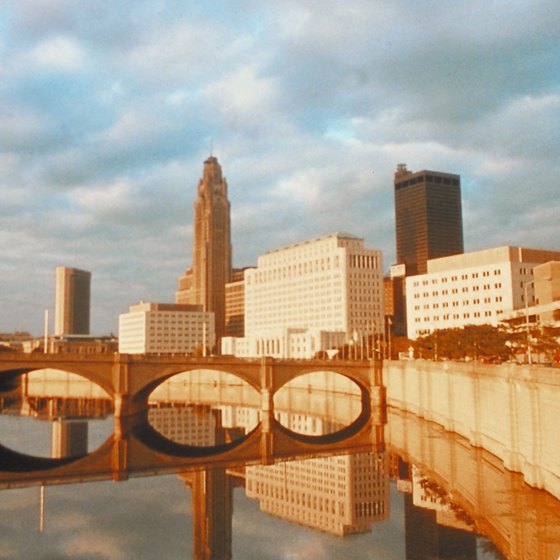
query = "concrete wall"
{"x": 510, "y": 410}
{"x": 522, "y": 522}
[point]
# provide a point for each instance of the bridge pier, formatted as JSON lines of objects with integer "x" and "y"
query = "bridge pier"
{"x": 124, "y": 401}
{"x": 267, "y": 410}
{"x": 378, "y": 399}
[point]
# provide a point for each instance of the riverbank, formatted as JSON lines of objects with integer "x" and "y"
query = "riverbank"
{"x": 508, "y": 409}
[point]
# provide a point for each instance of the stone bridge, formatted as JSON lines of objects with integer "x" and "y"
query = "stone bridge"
{"x": 138, "y": 449}
{"x": 130, "y": 378}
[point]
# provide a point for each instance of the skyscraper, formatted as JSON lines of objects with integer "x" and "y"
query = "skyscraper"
{"x": 72, "y": 303}
{"x": 204, "y": 284}
{"x": 428, "y": 217}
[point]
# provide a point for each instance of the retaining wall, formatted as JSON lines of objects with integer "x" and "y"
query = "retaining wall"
{"x": 511, "y": 410}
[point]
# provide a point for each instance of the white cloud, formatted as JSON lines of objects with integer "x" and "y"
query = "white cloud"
{"x": 244, "y": 93}
{"x": 104, "y": 199}
{"x": 133, "y": 127}
{"x": 58, "y": 53}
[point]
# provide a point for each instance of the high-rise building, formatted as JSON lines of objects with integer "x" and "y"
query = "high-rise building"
{"x": 311, "y": 296}
{"x": 72, "y": 305}
{"x": 428, "y": 217}
{"x": 204, "y": 284}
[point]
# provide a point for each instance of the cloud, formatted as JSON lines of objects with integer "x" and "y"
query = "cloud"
{"x": 58, "y": 53}
{"x": 100, "y": 545}
{"x": 107, "y": 113}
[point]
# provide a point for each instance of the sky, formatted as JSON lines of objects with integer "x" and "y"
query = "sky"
{"x": 108, "y": 110}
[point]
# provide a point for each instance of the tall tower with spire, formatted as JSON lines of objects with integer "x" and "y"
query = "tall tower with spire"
{"x": 204, "y": 284}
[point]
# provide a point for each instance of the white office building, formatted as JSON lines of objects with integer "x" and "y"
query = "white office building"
{"x": 311, "y": 296}
{"x": 472, "y": 288}
{"x": 165, "y": 328}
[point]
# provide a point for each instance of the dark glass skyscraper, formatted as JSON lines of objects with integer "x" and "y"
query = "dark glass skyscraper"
{"x": 428, "y": 217}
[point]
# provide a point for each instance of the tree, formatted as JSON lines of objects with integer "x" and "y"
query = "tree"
{"x": 476, "y": 342}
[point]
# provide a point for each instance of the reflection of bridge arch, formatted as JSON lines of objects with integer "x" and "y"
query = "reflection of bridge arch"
{"x": 129, "y": 379}
{"x": 136, "y": 449}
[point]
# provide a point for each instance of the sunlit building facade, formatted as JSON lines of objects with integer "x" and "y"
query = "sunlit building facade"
{"x": 235, "y": 304}
{"x": 311, "y": 296}
{"x": 165, "y": 328}
{"x": 205, "y": 283}
{"x": 547, "y": 291}
{"x": 474, "y": 288}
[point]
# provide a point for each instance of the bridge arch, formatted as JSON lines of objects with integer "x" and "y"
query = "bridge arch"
{"x": 153, "y": 379}
{"x": 284, "y": 373}
{"x": 90, "y": 373}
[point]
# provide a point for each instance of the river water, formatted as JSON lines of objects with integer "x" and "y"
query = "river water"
{"x": 447, "y": 500}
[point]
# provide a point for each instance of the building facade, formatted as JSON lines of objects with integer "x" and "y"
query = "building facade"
{"x": 211, "y": 269}
{"x": 235, "y": 304}
{"x": 165, "y": 328}
{"x": 311, "y": 296}
{"x": 428, "y": 217}
{"x": 474, "y": 288}
{"x": 72, "y": 302}
{"x": 547, "y": 291}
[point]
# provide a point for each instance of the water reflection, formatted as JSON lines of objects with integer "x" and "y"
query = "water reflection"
{"x": 428, "y": 494}
{"x": 341, "y": 495}
{"x": 318, "y": 403}
{"x": 70, "y": 415}
{"x": 203, "y": 408}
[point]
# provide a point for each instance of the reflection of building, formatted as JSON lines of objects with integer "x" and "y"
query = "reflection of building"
{"x": 165, "y": 328}
{"x": 72, "y": 301}
{"x": 340, "y": 495}
{"x": 427, "y": 495}
{"x": 311, "y": 296}
{"x": 472, "y": 288}
{"x": 428, "y": 217}
{"x": 212, "y": 507}
{"x": 69, "y": 438}
{"x": 426, "y": 539}
{"x": 433, "y": 528}
{"x": 205, "y": 283}
{"x": 189, "y": 425}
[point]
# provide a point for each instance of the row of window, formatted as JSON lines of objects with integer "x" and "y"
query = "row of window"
{"x": 455, "y": 277}
{"x": 464, "y": 303}
{"x": 464, "y": 290}
{"x": 456, "y": 316}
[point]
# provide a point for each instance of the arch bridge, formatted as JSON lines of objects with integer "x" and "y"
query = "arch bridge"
{"x": 136, "y": 448}
{"x": 130, "y": 378}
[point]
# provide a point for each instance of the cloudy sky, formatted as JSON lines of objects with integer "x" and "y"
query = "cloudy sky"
{"x": 108, "y": 109}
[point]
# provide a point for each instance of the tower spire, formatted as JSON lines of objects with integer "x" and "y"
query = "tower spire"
{"x": 205, "y": 283}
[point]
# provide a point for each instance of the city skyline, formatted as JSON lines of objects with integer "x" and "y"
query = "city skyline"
{"x": 309, "y": 113}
